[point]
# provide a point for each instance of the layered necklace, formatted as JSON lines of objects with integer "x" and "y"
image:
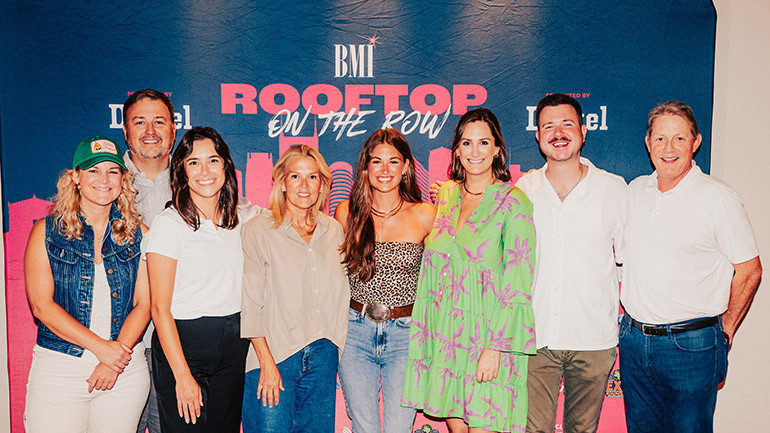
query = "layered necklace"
{"x": 387, "y": 214}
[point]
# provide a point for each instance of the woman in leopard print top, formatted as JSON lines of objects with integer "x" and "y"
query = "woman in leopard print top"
{"x": 386, "y": 224}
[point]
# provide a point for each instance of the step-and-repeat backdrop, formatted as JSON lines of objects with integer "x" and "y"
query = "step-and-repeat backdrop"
{"x": 270, "y": 74}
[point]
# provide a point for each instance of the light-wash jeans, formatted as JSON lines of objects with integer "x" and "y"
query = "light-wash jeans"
{"x": 375, "y": 353}
{"x": 58, "y": 399}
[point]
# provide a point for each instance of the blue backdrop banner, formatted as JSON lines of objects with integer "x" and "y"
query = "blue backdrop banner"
{"x": 267, "y": 75}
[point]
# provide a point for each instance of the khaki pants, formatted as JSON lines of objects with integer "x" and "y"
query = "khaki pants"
{"x": 585, "y": 380}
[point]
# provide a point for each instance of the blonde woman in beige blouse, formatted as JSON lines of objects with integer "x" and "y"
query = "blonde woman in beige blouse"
{"x": 295, "y": 301}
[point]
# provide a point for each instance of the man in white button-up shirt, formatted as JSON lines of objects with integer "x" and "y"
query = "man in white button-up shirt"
{"x": 577, "y": 212}
{"x": 691, "y": 269}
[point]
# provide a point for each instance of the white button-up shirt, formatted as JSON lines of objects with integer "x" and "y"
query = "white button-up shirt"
{"x": 680, "y": 247}
{"x": 575, "y": 291}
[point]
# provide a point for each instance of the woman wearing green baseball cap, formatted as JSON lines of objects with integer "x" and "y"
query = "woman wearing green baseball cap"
{"x": 87, "y": 287}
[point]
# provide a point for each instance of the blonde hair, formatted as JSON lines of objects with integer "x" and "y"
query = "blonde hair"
{"x": 277, "y": 204}
{"x": 66, "y": 209}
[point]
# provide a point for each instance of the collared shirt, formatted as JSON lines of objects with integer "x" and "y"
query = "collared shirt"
{"x": 680, "y": 247}
{"x": 294, "y": 292}
{"x": 151, "y": 199}
{"x": 575, "y": 292}
{"x": 152, "y": 196}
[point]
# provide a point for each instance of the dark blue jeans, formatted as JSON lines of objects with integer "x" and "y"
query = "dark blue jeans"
{"x": 307, "y": 404}
{"x": 670, "y": 382}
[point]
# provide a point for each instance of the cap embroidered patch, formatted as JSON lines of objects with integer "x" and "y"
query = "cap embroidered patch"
{"x": 103, "y": 146}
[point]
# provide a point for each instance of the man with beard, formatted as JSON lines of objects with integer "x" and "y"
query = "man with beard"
{"x": 149, "y": 131}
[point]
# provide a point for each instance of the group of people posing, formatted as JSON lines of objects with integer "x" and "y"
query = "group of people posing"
{"x": 462, "y": 310}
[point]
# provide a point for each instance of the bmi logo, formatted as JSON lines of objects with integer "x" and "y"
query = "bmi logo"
{"x": 355, "y": 60}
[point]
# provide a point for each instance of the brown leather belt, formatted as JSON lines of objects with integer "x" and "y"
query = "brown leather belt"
{"x": 379, "y": 312}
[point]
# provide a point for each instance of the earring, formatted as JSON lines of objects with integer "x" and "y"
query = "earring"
{"x": 403, "y": 177}
{"x": 77, "y": 187}
{"x": 497, "y": 155}
{"x": 283, "y": 189}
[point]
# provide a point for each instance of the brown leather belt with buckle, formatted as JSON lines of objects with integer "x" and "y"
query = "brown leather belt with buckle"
{"x": 379, "y": 312}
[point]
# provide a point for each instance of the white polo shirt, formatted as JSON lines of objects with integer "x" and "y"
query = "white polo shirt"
{"x": 575, "y": 291}
{"x": 680, "y": 247}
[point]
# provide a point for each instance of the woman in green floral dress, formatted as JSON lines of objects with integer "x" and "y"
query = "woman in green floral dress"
{"x": 472, "y": 324}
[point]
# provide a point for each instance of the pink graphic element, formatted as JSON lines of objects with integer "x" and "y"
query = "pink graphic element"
{"x": 259, "y": 169}
{"x": 22, "y": 330}
{"x": 438, "y": 164}
{"x": 516, "y": 173}
{"x": 422, "y": 181}
{"x": 285, "y": 142}
{"x": 342, "y": 183}
{"x": 421, "y": 423}
{"x": 239, "y": 181}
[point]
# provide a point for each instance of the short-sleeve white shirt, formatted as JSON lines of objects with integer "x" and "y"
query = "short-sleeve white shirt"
{"x": 680, "y": 247}
{"x": 575, "y": 290}
{"x": 209, "y": 263}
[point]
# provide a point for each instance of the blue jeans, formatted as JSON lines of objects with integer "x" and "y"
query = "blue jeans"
{"x": 307, "y": 404}
{"x": 376, "y": 353}
{"x": 670, "y": 382}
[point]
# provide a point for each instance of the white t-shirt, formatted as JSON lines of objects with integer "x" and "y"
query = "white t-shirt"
{"x": 680, "y": 247}
{"x": 575, "y": 290}
{"x": 209, "y": 268}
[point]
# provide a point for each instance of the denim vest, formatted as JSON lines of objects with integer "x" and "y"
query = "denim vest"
{"x": 72, "y": 267}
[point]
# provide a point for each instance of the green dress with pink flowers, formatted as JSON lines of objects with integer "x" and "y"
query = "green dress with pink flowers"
{"x": 474, "y": 293}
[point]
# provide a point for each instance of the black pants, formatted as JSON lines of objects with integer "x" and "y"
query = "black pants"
{"x": 216, "y": 355}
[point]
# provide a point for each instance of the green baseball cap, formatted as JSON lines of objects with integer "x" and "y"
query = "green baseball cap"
{"x": 94, "y": 150}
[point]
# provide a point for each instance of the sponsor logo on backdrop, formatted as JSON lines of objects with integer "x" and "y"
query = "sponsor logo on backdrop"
{"x": 355, "y": 60}
{"x": 426, "y": 428}
{"x": 613, "y": 384}
{"x": 593, "y": 121}
{"x": 181, "y": 118}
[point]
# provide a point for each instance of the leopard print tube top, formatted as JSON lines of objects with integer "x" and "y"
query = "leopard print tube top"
{"x": 397, "y": 267}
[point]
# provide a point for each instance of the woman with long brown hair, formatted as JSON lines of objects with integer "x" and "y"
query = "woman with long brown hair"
{"x": 195, "y": 264}
{"x": 473, "y": 324}
{"x": 386, "y": 224}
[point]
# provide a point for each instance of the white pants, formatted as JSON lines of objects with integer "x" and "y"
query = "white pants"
{"x": 58, "y": 399}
